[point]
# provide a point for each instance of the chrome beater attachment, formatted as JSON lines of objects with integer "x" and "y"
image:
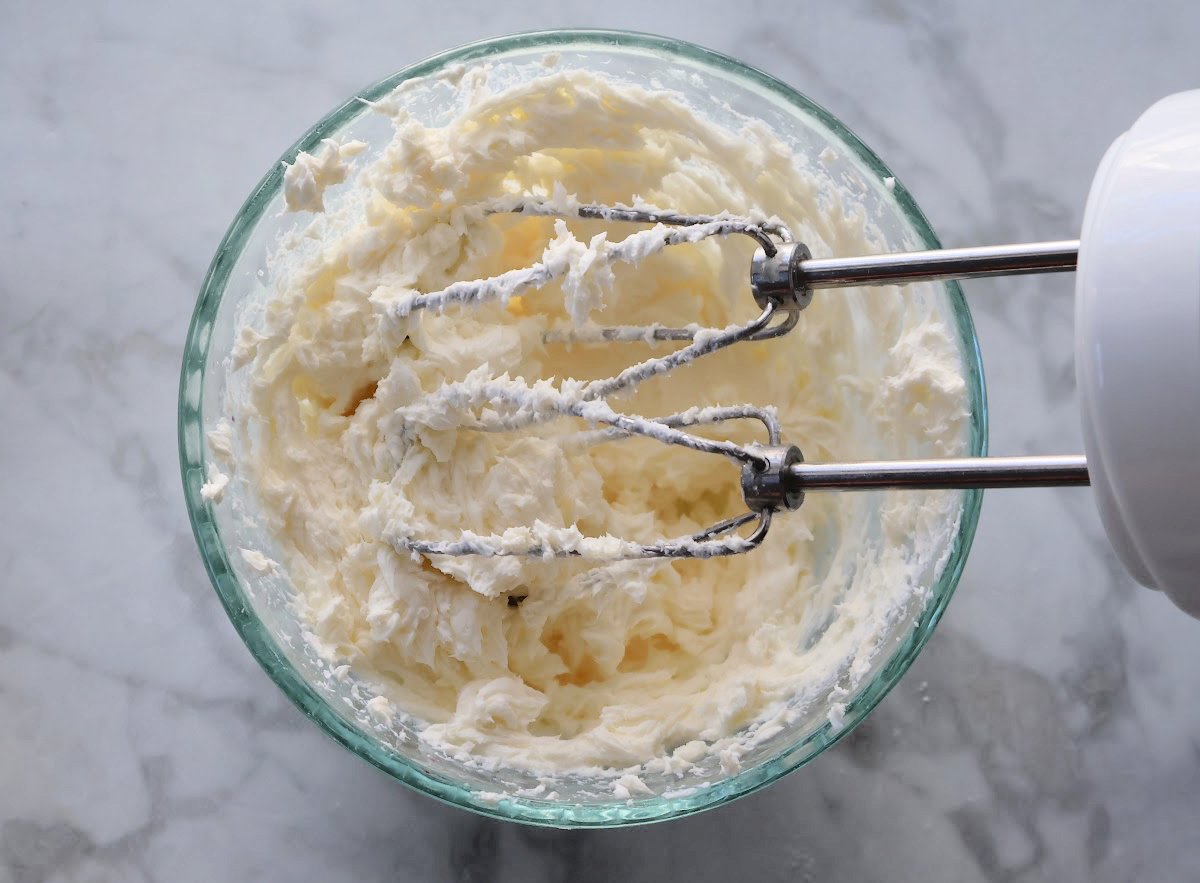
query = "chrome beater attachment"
{"x": 774, "y": 476}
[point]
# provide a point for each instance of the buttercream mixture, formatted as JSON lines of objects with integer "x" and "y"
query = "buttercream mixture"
{"x": 369, "y": 394}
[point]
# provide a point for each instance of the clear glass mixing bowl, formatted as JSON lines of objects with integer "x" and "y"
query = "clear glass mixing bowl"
{"x": 258, "y": 603}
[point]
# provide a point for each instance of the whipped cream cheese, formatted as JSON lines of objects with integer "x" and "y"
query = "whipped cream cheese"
{"x": 378, "y": 396}
{"x": 305, "y": 180}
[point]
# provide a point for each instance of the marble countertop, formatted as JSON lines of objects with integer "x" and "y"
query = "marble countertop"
{"x": 1049, "y": 731}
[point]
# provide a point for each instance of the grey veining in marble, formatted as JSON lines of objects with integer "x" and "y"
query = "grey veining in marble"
{"x": 1050, "y": 731}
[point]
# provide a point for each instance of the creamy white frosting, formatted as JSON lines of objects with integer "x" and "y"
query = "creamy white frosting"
{"x": 374, "y": 391}
{"x": 214, "y": 488}
{"x": 258, "y": 561}
{"x": 306, "y": 179}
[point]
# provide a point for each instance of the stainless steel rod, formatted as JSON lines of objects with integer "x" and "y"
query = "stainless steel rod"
{"x": 965, "y": 472}
{"x": 947, "y": 263}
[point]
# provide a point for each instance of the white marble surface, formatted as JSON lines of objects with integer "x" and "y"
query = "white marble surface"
{"x": 1050, "y": 731}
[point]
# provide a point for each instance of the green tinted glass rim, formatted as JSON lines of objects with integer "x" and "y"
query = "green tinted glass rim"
{"x": 267, "y": 652}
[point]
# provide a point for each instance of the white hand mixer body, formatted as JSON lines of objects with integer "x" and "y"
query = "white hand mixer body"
{"x": 1137, "y": 346}
{"x": 1137, "y": 362}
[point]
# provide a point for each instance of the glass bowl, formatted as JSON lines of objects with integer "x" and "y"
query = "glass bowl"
{"x": 258, "y": 603}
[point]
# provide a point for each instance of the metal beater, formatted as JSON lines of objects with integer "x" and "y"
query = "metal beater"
{"x": 783, "y": 278}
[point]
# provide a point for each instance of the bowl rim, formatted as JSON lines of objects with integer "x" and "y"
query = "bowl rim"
{"x": 275, "y": 663}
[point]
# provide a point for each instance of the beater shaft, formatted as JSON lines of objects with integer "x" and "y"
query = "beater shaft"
{"x": 964, "y": 472}
{"x": 899, "y": 268}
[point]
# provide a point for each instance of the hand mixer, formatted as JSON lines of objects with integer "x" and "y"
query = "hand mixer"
{"x": 1137, "y": 363}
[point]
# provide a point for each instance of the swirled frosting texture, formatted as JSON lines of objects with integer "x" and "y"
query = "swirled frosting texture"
{"x": 563, "y": 665}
